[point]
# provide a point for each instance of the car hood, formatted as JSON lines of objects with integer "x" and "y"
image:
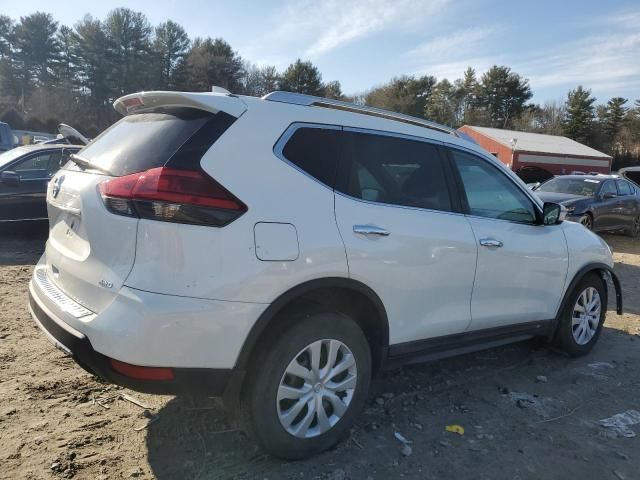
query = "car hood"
{"x": 562, "y": 198}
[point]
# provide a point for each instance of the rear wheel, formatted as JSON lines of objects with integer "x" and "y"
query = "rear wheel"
{"x": 586, "y": 220}
{"x": 582, "y": 318}
{"x": 634, "y": 230}
{"x": 307, "y": 386}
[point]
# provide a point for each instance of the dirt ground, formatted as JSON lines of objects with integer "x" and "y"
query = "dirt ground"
{"x": 527, "y": 412}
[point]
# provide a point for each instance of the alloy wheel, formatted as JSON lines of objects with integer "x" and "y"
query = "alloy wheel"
{"x": 586, "y": 221}
{"x": 586, "y": 316}
{"x": 316, "y": 388}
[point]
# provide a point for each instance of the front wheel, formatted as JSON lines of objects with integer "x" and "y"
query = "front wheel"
{"x": 583, "y": 316}
{"x": 307, "y": 385}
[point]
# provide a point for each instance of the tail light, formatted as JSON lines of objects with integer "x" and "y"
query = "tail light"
{"x": 172, "y": 195}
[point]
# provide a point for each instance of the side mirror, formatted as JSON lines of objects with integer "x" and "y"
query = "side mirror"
{"x": 9, "y": 177}
{"x": 551, "y": 213}
{"x": 609, "y": 195}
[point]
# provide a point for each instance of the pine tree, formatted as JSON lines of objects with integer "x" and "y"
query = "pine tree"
{"x": 467, "y": 89}
{"x": 128, "y": 35}
{"x": 36, "y": 50}
{"x": 614, "y": 116}
{"x": 170, "y": 48}
{"x": 441, "y": 104}
{"x": 503, "y": 94}
{"x": 578, "y": 121}
{"x": 302, "y": 77}
{"x": 214, "y": 63}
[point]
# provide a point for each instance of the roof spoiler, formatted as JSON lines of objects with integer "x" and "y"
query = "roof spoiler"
{"x": 213, "y": 102}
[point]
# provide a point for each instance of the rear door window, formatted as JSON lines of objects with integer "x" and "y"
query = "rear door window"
{"x": 143, "y": 141}
{"x": 624, "y": 188}
{"x": 314, "y": 150}
{"x": 393, "y": 170}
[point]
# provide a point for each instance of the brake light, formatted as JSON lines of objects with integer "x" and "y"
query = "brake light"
{"x": 132, "y": 103}
{"x": 172, "y": 195}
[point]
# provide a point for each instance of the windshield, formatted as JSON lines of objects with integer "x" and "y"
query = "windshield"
{"x": 143, "y": 141}
{"x": 585, "y": 187}
{"x": 9, "y": 156}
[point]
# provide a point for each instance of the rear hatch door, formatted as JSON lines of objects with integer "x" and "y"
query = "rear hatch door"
{"x": 90, "y": 251}
{"x": 632, "y": 174}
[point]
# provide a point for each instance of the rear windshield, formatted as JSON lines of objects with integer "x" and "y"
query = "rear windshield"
{"x": 585, "y": 187}
{"x": 146, "y": 140}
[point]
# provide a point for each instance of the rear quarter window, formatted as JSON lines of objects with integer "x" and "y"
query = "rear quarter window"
{"x": 314, "y": 150}
{"x": 139, "y": 142}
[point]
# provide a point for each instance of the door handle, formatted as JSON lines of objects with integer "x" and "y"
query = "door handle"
{"x": 490, "y": 242}
{"x": 370, "y": 230}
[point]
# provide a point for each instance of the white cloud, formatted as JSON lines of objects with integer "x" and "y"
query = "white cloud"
{"x": 604, "y": 60}
{"x": 315, "y": 28}
{"x": 453, "y": 44}
{"x": 597, "y": 61}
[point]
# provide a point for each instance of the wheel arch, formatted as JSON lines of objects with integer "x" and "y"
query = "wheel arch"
{"x": 342, "y": 294}
{"x": 604, "y": 271}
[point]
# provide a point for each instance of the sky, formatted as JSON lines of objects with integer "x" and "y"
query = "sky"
{"x": 556, "y": 44}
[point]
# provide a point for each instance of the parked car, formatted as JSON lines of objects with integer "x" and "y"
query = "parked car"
{"x": 24, "y": 174}
{"x": 7, "y": 138}
{"x": 599, "y": 202}
{"x": 279, "y": 251}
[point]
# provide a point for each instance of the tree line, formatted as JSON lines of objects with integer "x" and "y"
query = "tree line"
{"x": 52, "y": 73}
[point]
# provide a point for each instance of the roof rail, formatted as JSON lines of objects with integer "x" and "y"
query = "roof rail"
{"x": 310, "y": 100}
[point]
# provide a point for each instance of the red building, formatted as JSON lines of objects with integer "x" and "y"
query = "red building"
{"x": 533, "y": 155}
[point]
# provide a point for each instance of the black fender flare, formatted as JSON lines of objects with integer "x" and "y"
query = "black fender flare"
{"x": 260, "y": 326}
{"x": 604, "y": 270}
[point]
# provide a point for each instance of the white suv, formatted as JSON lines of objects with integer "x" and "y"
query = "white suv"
{"x": 280, "y": 251}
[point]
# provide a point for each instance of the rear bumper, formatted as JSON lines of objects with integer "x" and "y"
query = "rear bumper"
{"x": 198, "y": 381}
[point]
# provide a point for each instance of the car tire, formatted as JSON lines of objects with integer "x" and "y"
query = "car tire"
{"x": 634, "y": 231}
{"x": 577, "y": 332}
{"x": 586, "y": 221}
{"x": 266, "y": 412}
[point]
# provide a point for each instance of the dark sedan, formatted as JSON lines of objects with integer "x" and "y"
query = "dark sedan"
{"x": 599, "y": 202}
{"x": 24, "y": 175}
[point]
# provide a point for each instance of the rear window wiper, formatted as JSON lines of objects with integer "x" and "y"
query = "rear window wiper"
{"x": 87, "y": 165}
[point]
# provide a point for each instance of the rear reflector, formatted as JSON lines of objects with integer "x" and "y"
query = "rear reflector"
{"x": 172, "y": 195}
{"x": 141, "y": 373}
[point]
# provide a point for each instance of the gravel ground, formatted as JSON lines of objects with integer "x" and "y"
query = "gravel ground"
{"x": 527, "y": 412}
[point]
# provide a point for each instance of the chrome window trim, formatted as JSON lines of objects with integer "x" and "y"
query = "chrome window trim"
{"x": 34, "y": 179}
{"x": 291, "y": 129}
{"x": 40, "y": 219}
{"x": 395, "y": 205}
